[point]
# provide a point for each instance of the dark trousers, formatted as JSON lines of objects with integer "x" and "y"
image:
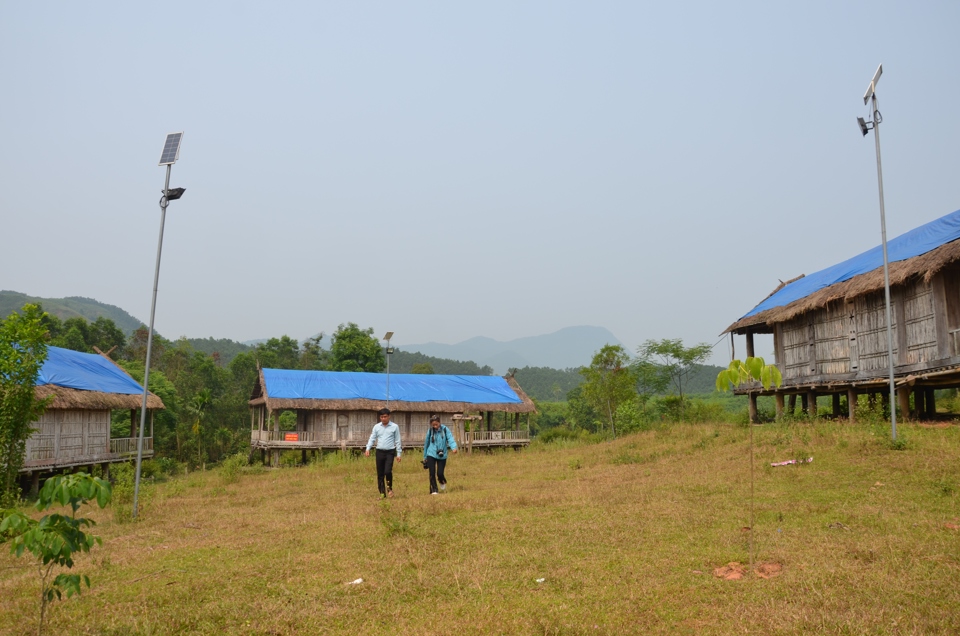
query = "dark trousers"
{"x": 385, "y": 469}
{"x": 435, "y": 468}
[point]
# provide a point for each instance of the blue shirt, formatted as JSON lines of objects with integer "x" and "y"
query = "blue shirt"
{"x": 385, "y": 437}
{"x": 438, "y": 442}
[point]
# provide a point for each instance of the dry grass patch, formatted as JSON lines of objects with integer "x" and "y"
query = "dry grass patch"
{"x": 619, "y": 537}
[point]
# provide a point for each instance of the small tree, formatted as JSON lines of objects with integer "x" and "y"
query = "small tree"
{"x": 55, "y": 538}
{"x": 23, "y": 350}
{"x": 422, "y": 368}
{"x": 674, "y": 361}
{"x": 609, "y": 381}
{"x": 355, "y": 349}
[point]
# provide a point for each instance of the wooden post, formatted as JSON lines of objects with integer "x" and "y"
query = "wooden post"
{"x": 903, "y": 401}
{"x": 303, "y": 456}
{"x": 754, "y": 419}
{"x": 749, "y": 336}
{"x": 852, "y": 404}
{"x": 919, "y": 402}
{"x": 792, "y": 404}
{"x": 779, "y": 400}
{"x": 34, "y": 483}
{"x": 836, "y": 405}
{"x": 931, "y": 402}
{"x": 805, "y": 403}
{"x": 812, "y": 403}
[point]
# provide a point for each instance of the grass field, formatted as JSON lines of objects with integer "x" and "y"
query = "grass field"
{"x": 611, "y": 538}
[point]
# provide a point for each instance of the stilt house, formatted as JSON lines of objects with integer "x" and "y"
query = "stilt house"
{"x": 75, "y": 428}
{"x": 830, "y": 328}
{"x": 337, "y": 410}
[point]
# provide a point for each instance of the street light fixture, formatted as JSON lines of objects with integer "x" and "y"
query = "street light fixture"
{"x": 865, "y": 126}
{"x": 169, "y": 156}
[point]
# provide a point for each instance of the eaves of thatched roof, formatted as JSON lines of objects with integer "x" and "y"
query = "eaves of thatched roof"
{"x": 924, "y": 266}
{"x": 75, "y": 399}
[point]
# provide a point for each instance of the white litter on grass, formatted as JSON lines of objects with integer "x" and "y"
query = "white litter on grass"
{"x": 541, "y": 580}
{"x": 357, "y": 582}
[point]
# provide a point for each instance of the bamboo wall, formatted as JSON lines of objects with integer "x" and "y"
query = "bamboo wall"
{"x": 69, "y": 435}
{"x": 355, "y": 426}
{"x": 846, "y": 339}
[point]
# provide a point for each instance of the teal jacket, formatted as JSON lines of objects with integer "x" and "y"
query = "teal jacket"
{"x": 438, "y": 444}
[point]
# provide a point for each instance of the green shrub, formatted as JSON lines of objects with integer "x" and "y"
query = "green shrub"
{"x": 232, "y": 466}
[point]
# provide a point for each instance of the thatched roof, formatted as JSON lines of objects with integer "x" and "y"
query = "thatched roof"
{"x": 924, "y": 266}
{"x": 260, "y": 398}
{"x": 75, "y": 399}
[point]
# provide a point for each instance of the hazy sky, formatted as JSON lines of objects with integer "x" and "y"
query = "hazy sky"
{"x": 448, "y": 170}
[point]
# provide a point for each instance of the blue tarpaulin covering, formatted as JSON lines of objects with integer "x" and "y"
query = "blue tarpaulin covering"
{"x": 404, "y": 387}
{"x": 914, "y": 243}
{"x": 86, "y": 372}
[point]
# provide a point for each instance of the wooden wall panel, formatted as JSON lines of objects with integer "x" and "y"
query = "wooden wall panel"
{"x": 796, "y": 349}
{"x": 921, "y": 331}
{"x": 832, "y": 340}
{"x": 872, "y": 332}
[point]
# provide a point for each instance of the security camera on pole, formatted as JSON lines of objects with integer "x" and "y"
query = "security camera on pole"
{"x": 169, "y": 156}
{"x": 865, "y": 126}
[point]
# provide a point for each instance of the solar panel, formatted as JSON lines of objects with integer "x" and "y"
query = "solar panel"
{"x": 171, "y": 149}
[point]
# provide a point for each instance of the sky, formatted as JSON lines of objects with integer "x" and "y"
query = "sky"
{"x": 452, "y": 170}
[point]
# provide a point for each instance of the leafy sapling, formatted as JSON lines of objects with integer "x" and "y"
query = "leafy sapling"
{"x": 750, "y": 370}
{"x": 55, "y": 538}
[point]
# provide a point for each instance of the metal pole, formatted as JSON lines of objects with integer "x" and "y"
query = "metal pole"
{"x": 146, "y": 367}
{"x": 388, "y": 372}
{"x": 886, "y": 270}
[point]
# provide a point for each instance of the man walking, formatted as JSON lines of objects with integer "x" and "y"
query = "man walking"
{"x": 386, "y": 437}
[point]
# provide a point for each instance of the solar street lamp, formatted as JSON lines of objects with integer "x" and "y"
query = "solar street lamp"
{"x": 389, "y": 350}
{"x": 865, "y": 126}
{"x": 169, "y": 156}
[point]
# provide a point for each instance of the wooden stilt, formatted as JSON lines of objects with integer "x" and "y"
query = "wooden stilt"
{"x": 812, "y": 404}
{"x": 836, "y": 405}
{"x": 754, "y": 418}
{"x": 903, "y": 402}
{"x": 931, "y": 403}
{"x": 852, "y": 404}
{"x": 778, "y": 397}
{"x": 792, "y": 404}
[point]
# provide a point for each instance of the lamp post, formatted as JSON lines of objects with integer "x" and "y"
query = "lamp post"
{"x": 169, "y": 156}
{"x": 388, "y": 350}
{"x": 865, "y": 126}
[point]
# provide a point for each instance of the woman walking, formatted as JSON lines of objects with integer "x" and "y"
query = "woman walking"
{"x": 438, "y": 443}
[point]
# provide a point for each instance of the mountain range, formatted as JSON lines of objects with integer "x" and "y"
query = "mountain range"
{"x": 570, "y": 347}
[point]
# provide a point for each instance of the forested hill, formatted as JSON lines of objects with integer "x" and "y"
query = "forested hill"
{"x": 225, "y": 348}
{"x": 70, "y": 307}
{"x": 403, "y": 362}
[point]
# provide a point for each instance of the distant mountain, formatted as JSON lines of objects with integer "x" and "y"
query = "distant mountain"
{"x": 570, "y": 347}
{"x": 70, "y": 307}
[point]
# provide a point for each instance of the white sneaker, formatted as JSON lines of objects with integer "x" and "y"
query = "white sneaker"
{"x": 434, "y": 493}
{"x": 442, "y": 487}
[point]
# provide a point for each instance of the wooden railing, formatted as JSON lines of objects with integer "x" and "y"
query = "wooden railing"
{"x": 497, "y": 436}
{"x": 128, "y": 445}
{"x": 289, "y": 436}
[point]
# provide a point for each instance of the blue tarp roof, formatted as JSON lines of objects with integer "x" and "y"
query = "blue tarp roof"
{"x": 86, "y": 372}
{"x": 404, "y": 387}
{"x": 914, "y": 243}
